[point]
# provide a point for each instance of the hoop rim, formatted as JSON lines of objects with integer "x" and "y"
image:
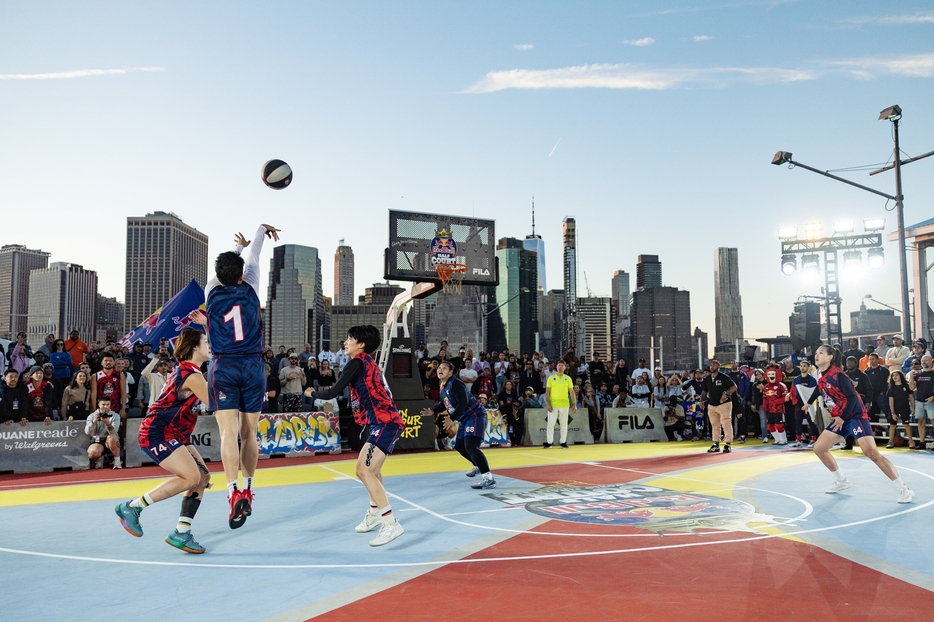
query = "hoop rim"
{"x": 447, "y": 270}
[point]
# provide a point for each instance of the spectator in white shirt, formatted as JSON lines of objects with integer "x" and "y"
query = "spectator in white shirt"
{"x": 340, "y": 359}
{"x": 156, "y": 373}
{"x": 897, "y": 354}
{"x": 638, "y": 371}
{"x": 327, "y": 355}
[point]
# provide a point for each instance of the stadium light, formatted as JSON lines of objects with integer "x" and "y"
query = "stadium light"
{"x": 874, "y": 224}
{"x": 813, "y": 230}
{"x": 891, "y": 113}
{"x": 781, "y": 157}
{"x": 852, "y": 259}
{"x": 789, "y": 264}
{"x": 810, "y": 262}
{"x": 787, "y": 233}
{"x": 876, "y": 257}
{"x": 844, "y": 226}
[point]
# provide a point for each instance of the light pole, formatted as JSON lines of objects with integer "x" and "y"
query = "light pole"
{"x": 893, "y": 114}
{"x": 486, "y": 313}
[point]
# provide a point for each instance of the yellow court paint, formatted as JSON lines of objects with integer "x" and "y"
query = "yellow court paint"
{"x": 437, "y": 462}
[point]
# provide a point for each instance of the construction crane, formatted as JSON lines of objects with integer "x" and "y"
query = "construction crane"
{"x": 587, "y": 283}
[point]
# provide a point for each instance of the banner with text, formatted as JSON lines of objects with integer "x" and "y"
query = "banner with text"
{"x": 40, "y": 448}
{"x": 496, "y": 431}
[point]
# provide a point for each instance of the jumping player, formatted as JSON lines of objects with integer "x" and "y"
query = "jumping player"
{"x": 372, "y": 405}
{"x": 165, "y": 435}
{"x": 237, "y": 375}
{"x": 849, "y": 419}
{"x": 464, "y": 408}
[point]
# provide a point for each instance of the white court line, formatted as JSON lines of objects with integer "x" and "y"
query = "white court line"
{"x": 342, "y": 475}
{"x": 487, "y": 559}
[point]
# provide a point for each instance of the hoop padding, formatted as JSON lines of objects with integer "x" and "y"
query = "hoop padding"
{"x": 451, "y": 276}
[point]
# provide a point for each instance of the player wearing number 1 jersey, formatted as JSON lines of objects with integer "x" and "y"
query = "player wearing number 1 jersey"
{"x": 236, "y": 376}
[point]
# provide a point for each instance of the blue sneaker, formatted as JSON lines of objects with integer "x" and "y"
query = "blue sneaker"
{"x": 184, "y": 541}
{"x": 129, "y": 518}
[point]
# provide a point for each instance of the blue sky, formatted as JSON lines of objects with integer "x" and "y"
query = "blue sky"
{"x": 653, "y": 123}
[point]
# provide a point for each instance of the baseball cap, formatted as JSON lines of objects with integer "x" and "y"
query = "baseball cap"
{"x": 898, "y": 337}
{"x": 33, "y": 370}
{"x": 920, "y": 344}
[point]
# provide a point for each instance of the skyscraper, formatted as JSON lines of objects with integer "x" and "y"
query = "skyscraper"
{"x": 662, "y": 315}
{"x": 295, "y": 301}
{"x": 16, "y": 262}
{"x": 110, "y": 313}
{"x": 163, "y": 255}
{"x": 517, "y": 297}
{"x": 62, "y": 298}
{"x": 533, "y": 242}
{"x": 727, "y": 301}
{"x": 599, "y": 322}
{"x": 621, "y": 296}
{"x": 648, "y": 272}
{"x": 343, "y": 275}
{"x": 570, "y": 284}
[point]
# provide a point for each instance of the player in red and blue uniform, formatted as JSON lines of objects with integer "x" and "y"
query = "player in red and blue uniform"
{"x": 237, "y": 375}
{"x": 372, "y": 404}
{"x": 165, "y": 435}
{"x": 470, "y": 415}
{"x": 849, "y": 419}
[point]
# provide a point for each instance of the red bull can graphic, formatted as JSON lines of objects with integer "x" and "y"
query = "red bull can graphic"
{"x": 443, "y": 249}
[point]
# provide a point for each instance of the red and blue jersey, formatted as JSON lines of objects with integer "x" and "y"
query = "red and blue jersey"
{"x": 173, "y": 415}
{"x": 462, "y": 407}
{"x": 370, "y": 397}
{"x": 839, "y": 395}
{"x": 109, "y": 385}
{"x": 235, "y": 321}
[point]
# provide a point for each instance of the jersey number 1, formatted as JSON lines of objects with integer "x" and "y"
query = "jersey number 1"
{"x": 234, "y": 316}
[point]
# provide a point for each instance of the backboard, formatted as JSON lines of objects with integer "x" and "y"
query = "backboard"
{"x": 419, "y": 242}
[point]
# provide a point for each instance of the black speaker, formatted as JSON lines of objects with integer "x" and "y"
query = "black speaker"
{"x": 804, "y": 325}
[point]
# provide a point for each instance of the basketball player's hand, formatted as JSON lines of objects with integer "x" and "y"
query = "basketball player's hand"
{"x": 239, "y": 240}
{"x": 199, "y": 317}
{"x": 309, "y": 392}
{"x": 272, "y": 232}
{"x": 837, "y": 424}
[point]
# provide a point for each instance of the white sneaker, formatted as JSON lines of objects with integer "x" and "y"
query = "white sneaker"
{"x": 117, "y": 463}
{"x": 473, "y": 472}
{"x": 905, "y": 495}
{"x": 796, "y": 444}
{"x": 369, "y": 523}
{"x": 844, "y": 484}
{"x": 387, "y": 533}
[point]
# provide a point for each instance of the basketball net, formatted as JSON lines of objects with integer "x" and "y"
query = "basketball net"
{"x": 451, "y": 276}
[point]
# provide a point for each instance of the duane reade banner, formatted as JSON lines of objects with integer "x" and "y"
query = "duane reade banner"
{"x": 39, "y": 448}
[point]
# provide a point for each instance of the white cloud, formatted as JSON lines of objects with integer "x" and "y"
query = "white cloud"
{"x": 918, "y": 65}
{"x": 78, "y": 73}
{"x": 524, "y": 47}
{"x": 627, "y": 76}
{"x": 640, "y": 42}
{"x": 703, "y": 38}
{"x": 638, "y": 77}
{"x": 916, "y": 18}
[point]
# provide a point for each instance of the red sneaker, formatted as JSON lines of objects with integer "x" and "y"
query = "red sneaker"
{"x": 246, "y": 497}
{"x": 236, "y": 517}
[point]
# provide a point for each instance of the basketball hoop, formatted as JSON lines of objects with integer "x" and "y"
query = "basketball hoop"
{"x": 451, "y": 276}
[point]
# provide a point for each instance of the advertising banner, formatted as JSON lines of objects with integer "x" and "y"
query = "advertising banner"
{"x": 303, "y": 433}
{"x": 40, "y": 448}
{"x": 419, "y": 430}
{"x": 634, "y": 425}
{"x": 536, "y": 419}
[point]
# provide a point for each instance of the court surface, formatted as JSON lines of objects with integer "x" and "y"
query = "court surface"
{"x": 604, "y": 532}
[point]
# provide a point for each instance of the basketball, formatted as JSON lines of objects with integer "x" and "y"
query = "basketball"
{"x": 277, "y": 174}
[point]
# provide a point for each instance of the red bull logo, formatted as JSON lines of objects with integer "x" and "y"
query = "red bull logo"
{"x": 442, "y": 249}
{"x": 657, "y": 510}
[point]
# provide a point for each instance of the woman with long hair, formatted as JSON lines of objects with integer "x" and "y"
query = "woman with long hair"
{"x": 506, "y": 399}
{"x": 76, "y": 399}
{"x": 459, "y": 405}
{"x": 901, "y": 405}
{"x": 165, "y": 435}
{"x": 848, "y": 419}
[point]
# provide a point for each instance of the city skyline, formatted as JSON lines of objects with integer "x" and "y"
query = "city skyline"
{"x": 661, "y": 147}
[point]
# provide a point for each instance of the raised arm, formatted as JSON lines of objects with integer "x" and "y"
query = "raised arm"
{"x": 251, "y": 263}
